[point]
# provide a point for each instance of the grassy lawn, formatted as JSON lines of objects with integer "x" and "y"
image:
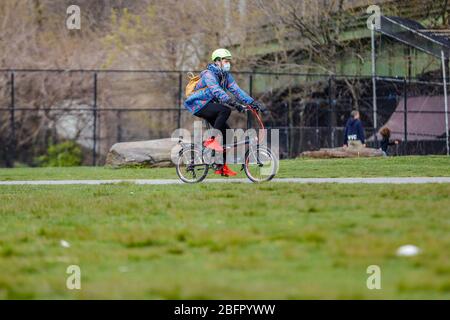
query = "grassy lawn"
{"x": 274, "y": 240}
{"x": 301, "y": 168}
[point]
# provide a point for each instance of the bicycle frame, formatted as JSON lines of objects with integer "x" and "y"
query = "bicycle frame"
{"x": 185, "y": 145}
{"x": 192, "y": 156}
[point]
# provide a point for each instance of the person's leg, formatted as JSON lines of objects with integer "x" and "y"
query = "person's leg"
{"x": 223, "y": 114}
{"x": 208, "y": 113}
{"x": 217, "y": 115}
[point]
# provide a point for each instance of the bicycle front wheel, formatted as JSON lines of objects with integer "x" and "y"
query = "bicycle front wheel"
{"x": 260, "y": 164}
{"x": 190, "y": 166}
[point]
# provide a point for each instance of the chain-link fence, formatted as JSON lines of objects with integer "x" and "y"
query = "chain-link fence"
{"x": 97, "y": 108}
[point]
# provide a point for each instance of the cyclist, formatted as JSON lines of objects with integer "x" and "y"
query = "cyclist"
{"x": 211, "y": 102}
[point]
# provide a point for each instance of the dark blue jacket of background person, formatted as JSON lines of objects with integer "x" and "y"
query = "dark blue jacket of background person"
{"x": 385, "y": 143}
{"x": 353, "y": 131}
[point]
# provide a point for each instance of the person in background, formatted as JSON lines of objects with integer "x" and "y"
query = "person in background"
{"x": 385, "y": 133}
{"x": 354, "y": 132}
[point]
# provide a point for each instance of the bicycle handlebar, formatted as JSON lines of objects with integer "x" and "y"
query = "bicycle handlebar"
{"x": 253, "y": 110}
{"x": 250, "y": 107}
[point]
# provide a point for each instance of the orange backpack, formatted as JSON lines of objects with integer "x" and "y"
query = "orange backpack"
{"x": 193, "y": 80}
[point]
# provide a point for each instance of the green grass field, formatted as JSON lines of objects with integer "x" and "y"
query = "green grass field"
{"x": 230, "y": 241}
{"x": 429, "y": 166}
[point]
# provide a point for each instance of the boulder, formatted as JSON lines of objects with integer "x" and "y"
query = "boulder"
{"x": 151, "y": 153}
{"x": 343, "y": 153}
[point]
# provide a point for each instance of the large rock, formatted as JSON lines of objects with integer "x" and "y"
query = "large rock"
{"x": 343, "y": 153}
{"x": 151, "y": 153}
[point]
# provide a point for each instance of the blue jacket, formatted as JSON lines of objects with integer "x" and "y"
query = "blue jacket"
{"x": 353, "y": 131}
{"x": 213, "y": 85}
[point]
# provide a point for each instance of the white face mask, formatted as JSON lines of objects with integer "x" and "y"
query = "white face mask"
{"x": 226, "y": 67}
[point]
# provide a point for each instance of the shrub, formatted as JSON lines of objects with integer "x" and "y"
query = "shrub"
{"x": 65, "y": 154}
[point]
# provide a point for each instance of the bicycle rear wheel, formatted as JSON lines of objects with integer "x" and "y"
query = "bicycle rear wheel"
{"x": 260, "y": 164}
{"x": 190, "y": 166}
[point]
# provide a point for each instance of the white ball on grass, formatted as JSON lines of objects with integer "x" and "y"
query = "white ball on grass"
{"x": 408, "y": 250}
{"x": 64, "y": 244}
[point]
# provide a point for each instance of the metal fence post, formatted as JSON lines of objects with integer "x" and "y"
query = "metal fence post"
{"x": 290, "y": 116}
{"x": 94, "y": 131}
{"x": 374, "y": 86}
{"x": 331, "y": 110}
{"x": 317, "y": 127}
{"x": 119, "y": 126}
{"x": 12, "y": 138}
{"x": 250, "y": 91}
{"x": 444, "y": 79}
{"x": 405, "y": 114}
{"x": 286, "y": 126}
{"x": 180, "y": 93}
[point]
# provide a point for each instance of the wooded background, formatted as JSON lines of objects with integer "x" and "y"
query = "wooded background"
{"x": 276, "y": 36}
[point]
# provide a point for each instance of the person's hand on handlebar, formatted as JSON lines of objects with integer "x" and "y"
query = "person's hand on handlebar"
{"x": 258, "y": 106}
{"x": 236, "y": 105}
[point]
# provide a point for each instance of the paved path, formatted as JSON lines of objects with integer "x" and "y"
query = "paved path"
{"x": 378, "y": 180}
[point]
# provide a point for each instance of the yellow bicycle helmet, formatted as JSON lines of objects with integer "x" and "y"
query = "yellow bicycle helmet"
{"x": 220, "y": 54}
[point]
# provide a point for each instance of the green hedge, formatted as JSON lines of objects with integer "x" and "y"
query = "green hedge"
{"x": 64, "y": 154}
